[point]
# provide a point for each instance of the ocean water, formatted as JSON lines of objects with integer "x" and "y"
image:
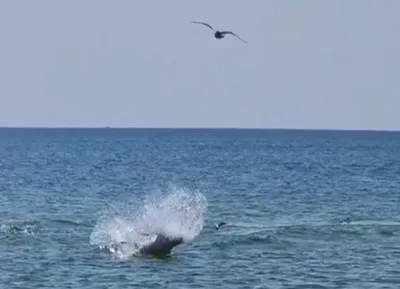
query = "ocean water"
{"x": 304, "y": 209}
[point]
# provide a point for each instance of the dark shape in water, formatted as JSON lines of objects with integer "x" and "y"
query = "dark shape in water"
{"x": 162, "y": 246}
{"x": 219, "y": 34}
{"x": 219, "y": 225}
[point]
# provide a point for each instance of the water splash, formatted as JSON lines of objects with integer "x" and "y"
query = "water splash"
{"x": 179, "y": 213}
{"x": 22, "y": 227}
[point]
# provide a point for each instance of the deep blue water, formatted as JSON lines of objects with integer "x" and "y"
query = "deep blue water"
{"x": 304, "y": 209}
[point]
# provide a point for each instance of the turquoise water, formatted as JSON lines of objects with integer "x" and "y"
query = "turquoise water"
{"x": 304, "y": 209}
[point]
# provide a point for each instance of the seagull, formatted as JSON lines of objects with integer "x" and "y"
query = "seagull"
{"x": 219, "y": 34}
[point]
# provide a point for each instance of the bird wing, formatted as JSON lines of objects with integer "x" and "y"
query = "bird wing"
{"x": 232, "y": 33}
{"x": 203, "y": 23}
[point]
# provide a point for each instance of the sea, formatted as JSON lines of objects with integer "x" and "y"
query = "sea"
{"x": 303, "y": 208}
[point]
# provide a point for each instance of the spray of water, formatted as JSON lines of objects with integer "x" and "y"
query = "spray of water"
{"x": 178, "y": 213}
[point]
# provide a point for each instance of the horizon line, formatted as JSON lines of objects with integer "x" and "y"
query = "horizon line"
{"x": 202, "y": 128}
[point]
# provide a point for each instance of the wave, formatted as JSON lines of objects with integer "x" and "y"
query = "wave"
{"x": 287, "y": 235}
{"x": 19, "y": 227}
{"x": 178, "y": 213}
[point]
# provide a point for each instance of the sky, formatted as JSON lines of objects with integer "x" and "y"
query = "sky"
{"x": 94, "y": 63}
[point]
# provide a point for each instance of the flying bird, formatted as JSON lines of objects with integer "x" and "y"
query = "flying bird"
{"x": 219, "y": 34}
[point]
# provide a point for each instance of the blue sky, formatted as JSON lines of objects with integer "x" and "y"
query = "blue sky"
{"x": 309, "y": 64}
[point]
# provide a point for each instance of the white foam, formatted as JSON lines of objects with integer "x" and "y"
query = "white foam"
{"x": 177, "y": 213}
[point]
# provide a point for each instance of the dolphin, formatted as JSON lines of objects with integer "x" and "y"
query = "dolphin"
{"x": 161, "y": 246}
{"x": 219, "y": 225}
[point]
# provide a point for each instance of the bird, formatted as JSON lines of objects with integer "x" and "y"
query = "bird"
{"x": 220, "y": 34}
